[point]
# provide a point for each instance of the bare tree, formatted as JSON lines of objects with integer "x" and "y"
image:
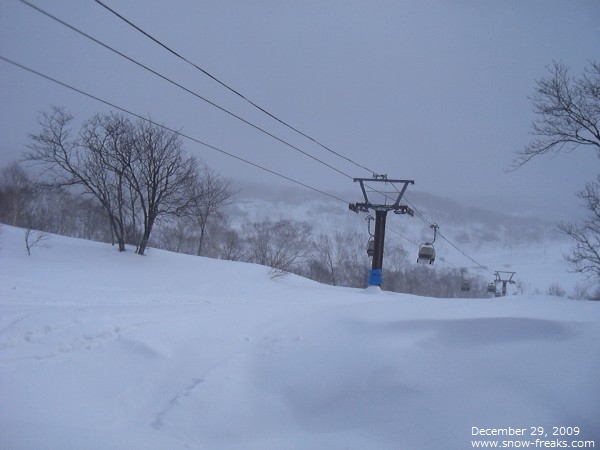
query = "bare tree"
{"x": 397, "y": 257}
{"x": 341, "y": 259}
{"x": 568, "y": 113}
{"x": 211, "y": 192}
{"x": 160, "y": 175}
{"x": 352, "y": 260}
{"x": 556, "y": 290}
{"x": 177, "y": 236}
{"x": 136, "y": 171}
{"x": 324, "y": 266}
{"x": 16, "y": 191}
{"x": 106, "y": 141}
{"x": 231, "y": 247}
{"x": 585, "y": 254}
{"x": 86, "y": 161}
{"x": 34, "y": 238}
{"x": 225, "y": 242}
{"x": 281, "y": 245}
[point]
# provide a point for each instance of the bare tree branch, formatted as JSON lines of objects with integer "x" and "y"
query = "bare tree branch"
{"x": 568, "y": 113}
{"x": 34, "y": 238}
{"x": 585, "y": 254}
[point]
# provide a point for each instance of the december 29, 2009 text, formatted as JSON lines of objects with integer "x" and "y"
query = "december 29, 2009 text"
{"x": 539, "y": 437}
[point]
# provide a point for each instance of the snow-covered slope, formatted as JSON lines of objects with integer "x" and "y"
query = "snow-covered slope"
{"x": 101, "y": 350}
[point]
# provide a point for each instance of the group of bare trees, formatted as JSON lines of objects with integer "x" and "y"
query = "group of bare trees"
{"x": 338, "y": 259}
{"x": 567, "y": 112}
{"x": 23, "y": 203}
{"x": 205, "y": 229}
{"x": 283, "y": 245}
{"x": 136, "y": 171}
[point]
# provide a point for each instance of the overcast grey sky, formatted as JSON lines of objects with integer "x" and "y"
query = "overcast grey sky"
{"x": 434, "y": 91}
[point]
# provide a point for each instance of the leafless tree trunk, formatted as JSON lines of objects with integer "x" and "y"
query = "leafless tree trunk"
{"x": 159, "y": 174}
{"x": 34, "y": 238}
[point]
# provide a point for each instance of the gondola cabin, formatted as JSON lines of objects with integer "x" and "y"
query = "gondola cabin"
{"x": 426, "y": 254}
{"x": 370, "y": 248}
{"x": 491, "y": 288}
{"x": 465, "y": 285}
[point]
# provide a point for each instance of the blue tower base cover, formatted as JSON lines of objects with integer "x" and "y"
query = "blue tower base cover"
{"x": 375, "y": 277}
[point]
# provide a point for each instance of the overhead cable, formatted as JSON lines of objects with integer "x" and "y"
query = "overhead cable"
{"x": 143, "y": 66}
{"x": 226, "y": 86}
{"x": 236, "y": 92}
{"x": 464, "y": 254}
{"x": 112, "y": 105}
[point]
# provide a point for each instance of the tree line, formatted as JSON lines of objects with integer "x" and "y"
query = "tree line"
{"x": 129, "y": 182}
{"x": 285, "y": 246}
{"x": 135, "y": 172}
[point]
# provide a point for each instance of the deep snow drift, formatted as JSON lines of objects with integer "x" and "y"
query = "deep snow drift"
{"x": 101, "y": 350}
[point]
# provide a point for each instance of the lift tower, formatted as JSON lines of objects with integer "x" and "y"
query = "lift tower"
{"x": 381, "y": 209}
{"x": 505, "y": 278}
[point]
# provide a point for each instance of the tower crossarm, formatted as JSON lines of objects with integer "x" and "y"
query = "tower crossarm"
{"x": 368, "y": 204}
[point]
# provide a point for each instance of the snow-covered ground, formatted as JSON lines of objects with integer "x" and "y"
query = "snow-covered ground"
{"x": 101, "y": 350}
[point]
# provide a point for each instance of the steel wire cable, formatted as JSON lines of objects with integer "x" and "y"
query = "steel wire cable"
{"x": 225, "y": 85}
{"x": 145, "y": 67}
{"x": 464, "y": 254}
{"x": 112, "y": 105}
{"x": 180, "y": 86}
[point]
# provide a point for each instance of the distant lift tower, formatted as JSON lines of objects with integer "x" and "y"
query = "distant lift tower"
{"x": 381, "y": 209}
{"x": 504, "y": 278}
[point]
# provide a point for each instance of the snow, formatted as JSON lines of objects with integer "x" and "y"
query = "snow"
{"x": 101, "y": 350}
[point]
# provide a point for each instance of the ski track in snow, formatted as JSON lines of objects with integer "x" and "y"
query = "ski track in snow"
{"x": 60, "y": 337}
{"x": 158, "y": 423}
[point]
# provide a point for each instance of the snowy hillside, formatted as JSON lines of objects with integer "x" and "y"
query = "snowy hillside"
{"x": 101, "y": 350}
